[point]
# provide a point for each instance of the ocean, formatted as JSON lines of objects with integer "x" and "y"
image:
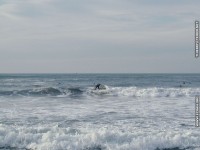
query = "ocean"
{"x": 64, "y": 112}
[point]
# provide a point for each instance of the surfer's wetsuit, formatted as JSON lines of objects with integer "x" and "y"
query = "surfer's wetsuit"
{"x": 97, "y": 86}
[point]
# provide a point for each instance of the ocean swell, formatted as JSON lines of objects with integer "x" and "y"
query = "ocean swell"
{"x": 109, "y": 91}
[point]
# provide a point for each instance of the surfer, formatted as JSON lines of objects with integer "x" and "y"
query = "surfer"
{"x": 97, "y": 86}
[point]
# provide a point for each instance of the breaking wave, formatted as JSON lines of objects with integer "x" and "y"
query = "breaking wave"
{"x": 109, "y": 91}
{"x": 33, "y": 92}
{"x": 147, "y": 92}
{"x": 49, "y": 91}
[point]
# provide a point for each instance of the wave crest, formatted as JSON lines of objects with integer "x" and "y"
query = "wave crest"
{"x": 33, "y": 92}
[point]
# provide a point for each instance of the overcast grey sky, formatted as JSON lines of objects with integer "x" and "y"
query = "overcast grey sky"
{"x": 98, "y": 36}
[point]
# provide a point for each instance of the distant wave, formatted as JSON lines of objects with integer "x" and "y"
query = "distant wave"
{"x": 47, "y": 91}
{"x": 109, "y": 91}
{"x": 44, "y": 91}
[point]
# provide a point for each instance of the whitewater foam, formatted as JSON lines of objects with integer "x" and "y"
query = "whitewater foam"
{"x": 90, "y": 137}
{"x": 147, "y": 92}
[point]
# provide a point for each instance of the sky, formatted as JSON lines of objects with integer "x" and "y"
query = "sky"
{"x": 98, "y": 36}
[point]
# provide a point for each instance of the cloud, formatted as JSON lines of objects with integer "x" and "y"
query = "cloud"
{"x": 55, "y": 30}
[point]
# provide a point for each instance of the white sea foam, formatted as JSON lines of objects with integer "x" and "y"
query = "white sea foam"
{"x": 147, "y": 92}
{"x": 88, "y": 137}
{"x": 97, "y": 124}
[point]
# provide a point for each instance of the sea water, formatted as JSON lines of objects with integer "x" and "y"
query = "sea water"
{"x": 64, "y": 112}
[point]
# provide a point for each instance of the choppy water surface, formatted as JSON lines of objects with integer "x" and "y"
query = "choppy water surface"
{"x": 62, "y": 111}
